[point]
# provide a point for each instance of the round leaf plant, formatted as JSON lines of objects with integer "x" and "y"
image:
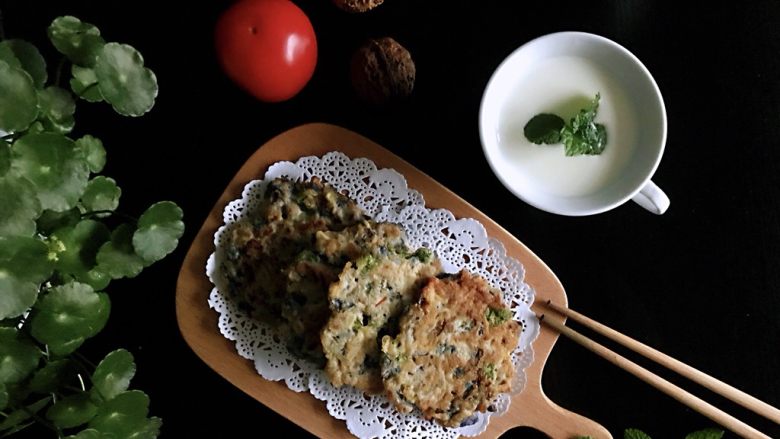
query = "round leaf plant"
{"x": 63, "y": 240}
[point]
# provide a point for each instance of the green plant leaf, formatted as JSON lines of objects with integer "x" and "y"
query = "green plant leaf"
{"x": 24, "y": 264}
{"x": 77, "y": 40}
{"x": 54, "y": 166}
{"x": 159, "y": 230}
{"x": 117, "y": 258}
{"x": 633, "y": 433}
{"x": 544, "y": 128}
{"x": 89, "y": 433}
{"x": 80, "y": 244}
{"x": 7, "y": 55}
{"x": 20, "y": 356}
{"x": 56, "y": 106}
{"x": 49, "y": 221}
{"x": 3, "y": 397}
{"x": 36, "y": 127}
{"x": 124, "y": 415}
{"x": 149, "y": 429}
{"x": 709, "y": 433}
{"x": 123, "y": 80}
{"x": 48, "y": 378}
{"x": 16, "y": 417}
{"x": 19, "y": 206}
{"x": 5, "y": 158}
{"x": 25, "y": 258}
{"x": 72, "y": 411}
{"x": 92, "y": 150}
{"x": 29, "y": 58}
{"x": 84, "y": 83}
{"x": 101, "y": 193}
{"x": 16, "y": 296}
{"x": 97, "y": 279}
{"x": 582, "y": 135}
{"x": 112, "y": 376}
{"x": 18, "y": 99}
{"x": 67, "y": 315}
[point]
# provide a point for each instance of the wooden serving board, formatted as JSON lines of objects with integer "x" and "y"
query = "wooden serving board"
{"x": 198, "y": 323}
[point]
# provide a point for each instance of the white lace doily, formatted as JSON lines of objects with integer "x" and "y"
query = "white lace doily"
{"x": 459, "y": 243}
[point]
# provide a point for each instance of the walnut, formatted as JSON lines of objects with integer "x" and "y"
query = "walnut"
{"x": 382, "y": 70}
{"x": 357, "y": 5}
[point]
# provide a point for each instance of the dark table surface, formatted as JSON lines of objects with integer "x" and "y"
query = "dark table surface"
{"x": 700, "y": 283}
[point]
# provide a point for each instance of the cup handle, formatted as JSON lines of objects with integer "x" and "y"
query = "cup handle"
{"x": 652, "y": 198}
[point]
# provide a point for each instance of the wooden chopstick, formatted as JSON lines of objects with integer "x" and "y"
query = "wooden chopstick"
{"x": 659, "y": 383}
{"x": 732, "y": 393}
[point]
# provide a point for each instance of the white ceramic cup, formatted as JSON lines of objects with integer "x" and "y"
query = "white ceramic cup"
{"x": 642, "y": 93}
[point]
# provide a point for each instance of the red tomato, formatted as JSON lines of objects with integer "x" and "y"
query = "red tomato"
{"x": 268, "y": 47}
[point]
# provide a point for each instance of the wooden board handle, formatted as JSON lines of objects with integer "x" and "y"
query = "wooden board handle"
{"x": 559, "y": 423}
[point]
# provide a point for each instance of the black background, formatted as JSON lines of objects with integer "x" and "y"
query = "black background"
{"x": 700, "y": 282}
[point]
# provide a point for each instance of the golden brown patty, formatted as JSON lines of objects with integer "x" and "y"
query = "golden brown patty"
{"x": 357, "y": 5}
{"x": 452, "y": 354}
{"x": 366, "y": 303}
{"x": 270, "y": 264}
{"x": 365, "y": 237}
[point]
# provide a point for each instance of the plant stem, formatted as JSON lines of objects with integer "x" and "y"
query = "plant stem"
{"x": 85, "y": 360}
{"x": 82, "y": 368}
{"x": 43, "y": 421}
{"x": 17, "y": 429}
{"x": 58, "y": 73}
{"x": 73, "y": 388}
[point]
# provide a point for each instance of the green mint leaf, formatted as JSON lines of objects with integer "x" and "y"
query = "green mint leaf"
{"x": 19, "y": 100}
{"x": 112, "y": 376}
{"x": 54, "y": 166}
{"x": 123, "y": 80}
{"x": 544, "y": 128}
{"x": 582, "y": 437}
{"x": 20, "y": 356}
{"x": 159, "y": 230}
{"x": 77, "y": 40}
{"x": 709, "y": 433}
{"x": 582, "y": 136}
{"x": 28, "y": 58}
{"x": 633, "y": 433}
{"x": 67, "y": 315}
{"x": 72, "y": 411}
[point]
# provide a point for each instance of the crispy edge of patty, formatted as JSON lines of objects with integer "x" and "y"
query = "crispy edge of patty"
{"x": 366, "y": 302}
{"x": 452, "y": 354}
